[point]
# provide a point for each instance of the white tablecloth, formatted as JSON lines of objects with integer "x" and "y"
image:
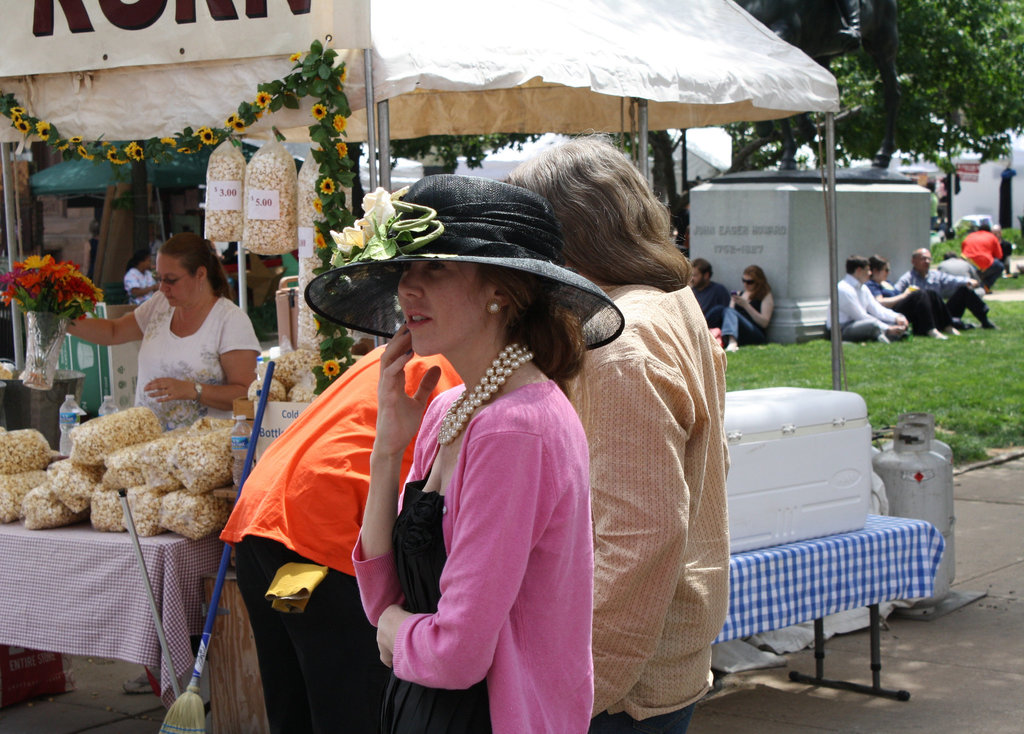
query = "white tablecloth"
{"x": 78, "y": 591}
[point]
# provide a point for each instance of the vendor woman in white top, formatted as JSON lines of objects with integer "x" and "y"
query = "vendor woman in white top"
{"x": 198, "y": 348}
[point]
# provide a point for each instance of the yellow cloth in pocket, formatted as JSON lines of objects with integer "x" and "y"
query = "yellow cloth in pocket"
{"x": 292, "y": 586}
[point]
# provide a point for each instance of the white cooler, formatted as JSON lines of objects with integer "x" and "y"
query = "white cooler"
{"x": 800, "y": 465}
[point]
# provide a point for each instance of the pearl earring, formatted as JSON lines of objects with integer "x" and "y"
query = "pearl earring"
{"x": 493, "y": 306}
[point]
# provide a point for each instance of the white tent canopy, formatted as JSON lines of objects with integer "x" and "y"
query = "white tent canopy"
{"x": 537, "y": 66}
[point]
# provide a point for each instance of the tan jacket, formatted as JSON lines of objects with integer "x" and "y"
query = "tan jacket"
{"x": 652, "y": 405}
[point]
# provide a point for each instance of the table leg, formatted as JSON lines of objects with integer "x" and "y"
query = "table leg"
{"x": 875, "y": 688}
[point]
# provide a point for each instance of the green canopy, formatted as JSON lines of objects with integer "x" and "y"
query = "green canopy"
{"x": 80, "y": 177}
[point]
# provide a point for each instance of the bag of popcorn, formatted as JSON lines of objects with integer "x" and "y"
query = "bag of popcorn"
{"x": 225, "y": 194}
{"x": 106, "y": 513}
{"x": 194, "y": 515}
{"x": 202, "y": 461}
{"x": 41, "y": 510}
{"x": 13, "y": 488}
{"x": 74, "y": 484}
{"x": 23, "y": 450}
{"x": 145, "y": 505}
{"x": 270, "y": 201}
{"x": 94, "y": 440}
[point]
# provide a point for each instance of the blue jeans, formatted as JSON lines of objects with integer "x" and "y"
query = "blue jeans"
{"x": 674, "y": 722}
{"x": 735, "y": 324}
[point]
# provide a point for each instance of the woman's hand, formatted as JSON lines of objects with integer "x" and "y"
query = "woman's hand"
{"x": 165, "y": 389}
{"x": 740, "y": 299}
{"x": 387, "y": 630}
{"x": 398, "y": 414}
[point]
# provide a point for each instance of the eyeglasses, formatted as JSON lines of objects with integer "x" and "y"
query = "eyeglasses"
{"x": 748, "y": 281}
{"x": 166, "y": 280}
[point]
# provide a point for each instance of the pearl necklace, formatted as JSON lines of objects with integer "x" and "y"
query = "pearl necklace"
{"x": 508, "y": 361}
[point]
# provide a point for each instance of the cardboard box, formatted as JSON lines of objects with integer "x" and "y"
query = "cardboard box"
{"x": 277, "y": 416}
{"x": 108, "y": 370}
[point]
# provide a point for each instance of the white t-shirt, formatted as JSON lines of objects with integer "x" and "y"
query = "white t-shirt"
{"x": 136, "y": 279}
{"x": 195, "y": 358}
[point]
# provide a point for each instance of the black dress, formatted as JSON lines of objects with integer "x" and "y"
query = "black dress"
{"x": 410, "y": 708}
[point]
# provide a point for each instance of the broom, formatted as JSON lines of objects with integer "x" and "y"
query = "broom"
{"x": 187, "y": 714}
{"x": 157, "y": 620}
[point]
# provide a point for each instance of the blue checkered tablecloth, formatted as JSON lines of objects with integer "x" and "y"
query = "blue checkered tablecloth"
{"x": 771, "y": 588}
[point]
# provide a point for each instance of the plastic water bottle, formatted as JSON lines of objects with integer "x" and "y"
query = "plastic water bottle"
{"x": 68, "y": 417}
{"x": 108, "y": 405}
{"x": 261, "y": 370}
{"x": 239, "y": 447}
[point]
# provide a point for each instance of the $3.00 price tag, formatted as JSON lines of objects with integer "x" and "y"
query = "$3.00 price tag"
{"x": 224, "y": 196}
{"x": 263, "y": 204}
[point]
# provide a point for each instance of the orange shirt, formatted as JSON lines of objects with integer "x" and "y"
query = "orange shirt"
{"x": 308, "y": 490}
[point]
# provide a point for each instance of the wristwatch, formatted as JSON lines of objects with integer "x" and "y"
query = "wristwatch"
{"x": 199, "y": 391}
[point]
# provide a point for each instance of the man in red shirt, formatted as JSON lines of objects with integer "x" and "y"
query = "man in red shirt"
{"x": 983, "y": 249}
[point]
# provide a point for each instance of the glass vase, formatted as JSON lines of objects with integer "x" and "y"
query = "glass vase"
{"x": 44, "y": 334}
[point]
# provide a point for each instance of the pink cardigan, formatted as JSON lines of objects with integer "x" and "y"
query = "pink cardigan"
{"x": 517, "y": 589}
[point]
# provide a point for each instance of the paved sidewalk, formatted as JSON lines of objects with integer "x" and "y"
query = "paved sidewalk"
{"x": 965, "y": 670}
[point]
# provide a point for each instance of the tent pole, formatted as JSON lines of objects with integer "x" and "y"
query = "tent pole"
{"x": 645, "y": 168}
{"x": 384, "y": 136}
{"x": 831, "y": 225}
{"x": 13, "y": 250}
{"x": 371, "y": 133}
{"x": 243, "y": 281}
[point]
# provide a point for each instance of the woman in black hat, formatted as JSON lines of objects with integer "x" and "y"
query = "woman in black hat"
{"x": 479, "y": 581}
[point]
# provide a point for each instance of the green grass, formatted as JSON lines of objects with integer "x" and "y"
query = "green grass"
{"x": 973, "y": 384}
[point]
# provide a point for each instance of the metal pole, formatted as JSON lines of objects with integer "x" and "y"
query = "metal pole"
{"x": 243, "y": 281}
{"x": 831, "y": 225}
{"x": 13, "y": 247}
{"x": 384, "y": 135}
{"x": 645, "y": 167}
{"x": 371, "y": 135}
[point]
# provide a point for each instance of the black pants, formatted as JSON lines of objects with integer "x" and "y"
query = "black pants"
{"x": 321, "y": 668}
{"x": 966, "y": 299}
{"x": 925, "y": 311}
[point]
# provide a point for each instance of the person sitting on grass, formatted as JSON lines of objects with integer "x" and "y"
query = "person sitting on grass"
{"x": 984, "y": 250}
{"x": 745, "y": 320}
{"x": 861, "y": 317}
{"x": 924, "y": 309}
{"x": 957, "y": 292}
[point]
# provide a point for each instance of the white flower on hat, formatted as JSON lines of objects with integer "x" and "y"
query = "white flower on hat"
{"x": 349, "y": 239}
{"x": 377, "y": 207}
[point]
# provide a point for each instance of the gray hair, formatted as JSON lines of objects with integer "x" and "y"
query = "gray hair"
{"x": 616, "y": 230}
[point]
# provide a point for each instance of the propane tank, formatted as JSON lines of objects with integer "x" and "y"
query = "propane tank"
{"x": 928, "y": 421}
{"x": 919, "y": 484}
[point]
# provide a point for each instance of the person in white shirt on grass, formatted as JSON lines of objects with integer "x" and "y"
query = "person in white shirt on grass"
{"x": 861, "y": 317}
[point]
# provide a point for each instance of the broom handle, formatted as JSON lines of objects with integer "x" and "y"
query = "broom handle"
{"x": 225, "y": 557}
{"x": 123, "y": 495}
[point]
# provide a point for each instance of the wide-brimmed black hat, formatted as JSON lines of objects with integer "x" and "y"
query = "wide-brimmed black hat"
{"x": 484, "y": 222}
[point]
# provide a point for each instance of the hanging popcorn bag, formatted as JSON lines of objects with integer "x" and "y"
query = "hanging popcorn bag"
{"x": 225, "y": 177}
{"x": 308, "y": 216}
{"x": 270, "y": 201}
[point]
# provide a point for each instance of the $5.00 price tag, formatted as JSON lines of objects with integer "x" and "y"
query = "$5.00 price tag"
{"x": 305, "y": 242}
{"x": 224, "y": 196}
{"x": 263, "y": 204}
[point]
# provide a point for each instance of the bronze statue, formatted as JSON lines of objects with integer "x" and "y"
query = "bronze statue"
{"x": 824, "y": 29}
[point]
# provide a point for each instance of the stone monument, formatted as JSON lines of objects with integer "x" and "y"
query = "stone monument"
{"x": 776, "y": 219}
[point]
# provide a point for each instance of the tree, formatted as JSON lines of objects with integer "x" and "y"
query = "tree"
{"x": 962, "y": 90}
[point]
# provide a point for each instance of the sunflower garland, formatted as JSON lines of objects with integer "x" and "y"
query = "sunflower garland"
{"x": 316, "y": 74}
